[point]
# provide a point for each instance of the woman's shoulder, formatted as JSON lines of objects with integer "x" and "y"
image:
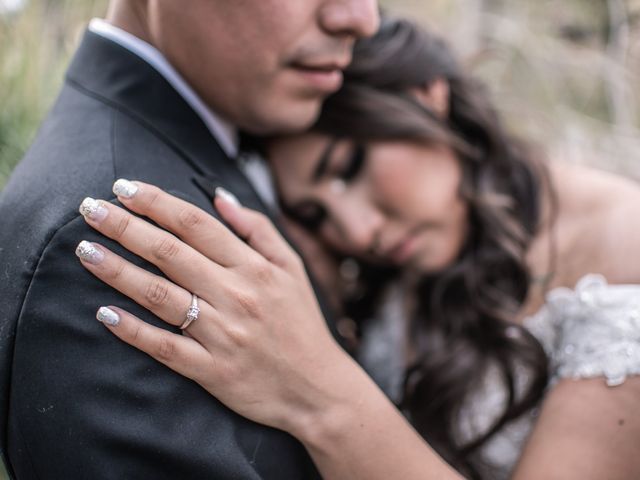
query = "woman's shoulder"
{"x": 582, "y": 187}
{"x": 592, "y": 330}
{"x": 597, "y": 212}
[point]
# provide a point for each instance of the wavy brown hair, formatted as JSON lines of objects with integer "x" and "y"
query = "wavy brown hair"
{"x": 464, "y": 321}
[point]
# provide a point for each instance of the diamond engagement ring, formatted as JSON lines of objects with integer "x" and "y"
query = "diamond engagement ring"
{"x": 192, "y": 313}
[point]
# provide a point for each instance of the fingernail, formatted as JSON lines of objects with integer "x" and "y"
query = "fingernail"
{"x": 227, "y": 196}
{"x": 88, "y": 252}
{"x": 108, "y": 316}
{"x": 93, "y": 209}
{"x": 124, "y": 188}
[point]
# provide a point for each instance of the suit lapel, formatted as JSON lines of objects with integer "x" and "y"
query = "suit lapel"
{"x": 118, "y": 77}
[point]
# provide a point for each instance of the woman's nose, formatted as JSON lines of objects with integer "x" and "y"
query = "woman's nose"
{"x": 360, "y": 226}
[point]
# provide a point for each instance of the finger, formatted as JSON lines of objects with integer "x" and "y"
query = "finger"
{"x": 181, "y": 354}
{"x": 193, "y": 225}
{"x": 255, "y": 228}
{"x": 180, "y": 262}
{"x": 161, "y": 297}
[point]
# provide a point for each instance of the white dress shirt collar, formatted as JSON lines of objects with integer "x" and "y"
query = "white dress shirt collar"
{"x": 224, "y": 132}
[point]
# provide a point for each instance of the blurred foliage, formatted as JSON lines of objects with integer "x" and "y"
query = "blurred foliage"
{"x": 35, "y": 46}
{"x": 563, "y": 72}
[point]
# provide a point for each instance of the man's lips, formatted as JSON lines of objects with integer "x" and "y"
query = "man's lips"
{"x": 324, "y": 76}
{"x": 329, "y": 64}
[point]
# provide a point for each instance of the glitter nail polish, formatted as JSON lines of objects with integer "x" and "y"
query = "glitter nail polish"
{"x": 93, "y": 209}
{"x": 108, "y": 316}
{"x": 228, "y": 196}
{"x": 88, "y": 252}
{"x": 124, "y": 188}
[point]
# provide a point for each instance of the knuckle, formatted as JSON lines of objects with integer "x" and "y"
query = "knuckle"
{"x": 263, "y": 223}
{"x": 166, "y": 348}
{"x": 166, "y": 248}
{"x": 237, "y": 335}
{"x": 157, "y": 293}
{"x": 121, "y": 227}
{"x": 248, "y": 303}
{"x": 190, "y": 218}
{"x": 135, "y": 336}
{"x": 152, "y": 196}
{"x": 118, "y": 270}
{"x": 263, "y": 272}
{"x": 260, "y": 237}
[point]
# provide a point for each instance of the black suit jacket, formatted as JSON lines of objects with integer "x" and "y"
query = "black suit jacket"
{"x": 75, "y": 402}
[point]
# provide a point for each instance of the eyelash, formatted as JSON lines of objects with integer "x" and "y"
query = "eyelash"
{"x": 311, "y": 222}
{"x": 355, "y": 164}
{"x": 314, "y": 221}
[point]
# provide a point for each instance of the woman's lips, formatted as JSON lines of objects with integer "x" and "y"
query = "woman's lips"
{"x": 405, "y": 249}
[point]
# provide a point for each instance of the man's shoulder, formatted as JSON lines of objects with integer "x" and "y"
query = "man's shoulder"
{"x": 71, "y": 150}
{"x": 81, "y": 148}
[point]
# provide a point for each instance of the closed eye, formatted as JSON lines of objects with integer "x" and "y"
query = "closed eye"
{"x": 312, "y": 215}
{"x": 308, "y": 214}
{"x": 346, "y": 168}
{"x": 355, "y": 163}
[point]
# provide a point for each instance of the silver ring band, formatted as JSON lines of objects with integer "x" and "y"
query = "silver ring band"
{"x": 192, "y": 312}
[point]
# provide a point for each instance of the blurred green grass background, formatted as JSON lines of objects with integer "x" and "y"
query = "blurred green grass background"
{"x": 36, "y": 43}
{"x": 563, "y": 72}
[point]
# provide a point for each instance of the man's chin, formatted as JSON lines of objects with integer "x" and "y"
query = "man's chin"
{"x": 285, "y": 120}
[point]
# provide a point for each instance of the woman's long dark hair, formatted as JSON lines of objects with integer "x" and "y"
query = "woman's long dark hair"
{"x": 464, "y": 321}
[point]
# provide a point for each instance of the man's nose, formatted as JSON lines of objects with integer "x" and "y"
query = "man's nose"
{"x": 358, "y": 18}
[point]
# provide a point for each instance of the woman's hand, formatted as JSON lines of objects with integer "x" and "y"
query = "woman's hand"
{"x": 260, "y": 343}
{"x": 322, "y": 264}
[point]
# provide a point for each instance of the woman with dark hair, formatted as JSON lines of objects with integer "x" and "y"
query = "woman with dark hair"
{"x": 472, "y": 272}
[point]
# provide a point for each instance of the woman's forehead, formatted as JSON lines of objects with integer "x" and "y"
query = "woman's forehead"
{"x": 299, "y": 152}
{"x": 296, "y": 155}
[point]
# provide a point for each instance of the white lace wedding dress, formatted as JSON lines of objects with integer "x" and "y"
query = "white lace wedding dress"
{"x": 591, "y": 331}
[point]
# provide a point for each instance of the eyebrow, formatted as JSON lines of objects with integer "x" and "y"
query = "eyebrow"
{"x": 323, "y": 162}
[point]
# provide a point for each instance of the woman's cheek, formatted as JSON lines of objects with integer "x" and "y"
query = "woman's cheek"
{"x": 394, "y": 184}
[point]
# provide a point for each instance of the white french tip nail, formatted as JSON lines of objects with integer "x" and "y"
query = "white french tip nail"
{"x": 124, "y": 188}
{"x": 228, "y": 196}
{"x": 93, "y": 209}
{"x": 88, "y": 252}
{"x": 108, "y": 316}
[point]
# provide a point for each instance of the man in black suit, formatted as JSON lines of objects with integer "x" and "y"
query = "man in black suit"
{"x": 154, "y": 93}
